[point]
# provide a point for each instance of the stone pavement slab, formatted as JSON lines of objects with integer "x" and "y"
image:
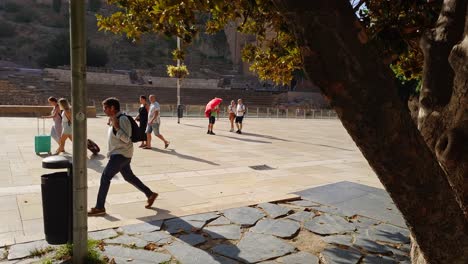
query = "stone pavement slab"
{"x": 135, "y": 255}
{"x": 245, "y": 216}
{"x": 224, "y": 231}
{"x": 254, "y": 248}
{"x": 280, "y": 228}
{"x": 329, "y": 225}
{"x": 193, "y": 239}
{"x": 187, "y": 254}
{"x": 299, "y": 258}
{"x": 274, "y": 210}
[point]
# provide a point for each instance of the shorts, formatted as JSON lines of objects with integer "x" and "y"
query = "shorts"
{"x": 153, "y": 128}
{"x": 239, "y": 119}
{"x": 212, "y": 119}
{"x": 232, "y": 116}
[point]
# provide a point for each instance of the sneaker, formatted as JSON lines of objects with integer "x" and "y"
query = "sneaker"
{"x": 212, "y": 133}
{"x": 208, "y": 132}
{"x": 166, "y": 144}
{"x": 151, "y": 199}
{"x": 231, "y": 130}
{"x": 96, "y": 212}
{"x": 238, "y": 131}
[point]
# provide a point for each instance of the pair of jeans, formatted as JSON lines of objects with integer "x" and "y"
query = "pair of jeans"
{"x": 118, "y": 163}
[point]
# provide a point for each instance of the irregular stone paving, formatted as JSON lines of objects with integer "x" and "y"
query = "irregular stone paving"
{"x": 279, "y": 228}
{"x": 248, "y": 235}
{"x": 274, "y": 210}
{"x": 224, "y": 231}
{"x": 329, "y": 224}
{"x": 254, "y": 248}
{"x": 193, "y": 239}
{"x": 245, "y": 216}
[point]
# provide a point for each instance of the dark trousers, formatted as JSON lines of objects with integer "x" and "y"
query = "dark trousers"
{"x": 118, "y": 163}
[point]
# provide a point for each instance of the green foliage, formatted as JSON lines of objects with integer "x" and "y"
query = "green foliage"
{"x": 47, "y": 261}
{"x": 177, "y": 71}
{"x": 96, "y": 56}
{"x": 12, "y": 7}
{"x": 40, "y": 252}
{"x": 6, "y": 29}
{"x": 25, "y": 15}
{"x": 393, "y": 26}
{"x": 182, "y": 18}
{"x": 94, "y": 5}
{"x": 57, "y": 5}
{"x": 178, "y": 54}
{"x": 65, "y": 252}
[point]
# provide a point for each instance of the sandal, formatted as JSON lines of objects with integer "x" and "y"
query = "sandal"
{"x": 146, "y": 147}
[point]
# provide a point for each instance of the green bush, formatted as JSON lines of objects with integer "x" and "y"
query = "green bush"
{"x": 96, "y": 56}
{"x": 58, "y": 53}
{"x": 12, "y": 7}
{"x": 6, "y": 29}
{"x": 94, "y": 5}
{"x": 57, "y": 5}
{"x": 25, "y": 16}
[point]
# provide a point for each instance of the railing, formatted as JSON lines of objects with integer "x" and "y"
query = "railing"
{"x": 197, "y": 111}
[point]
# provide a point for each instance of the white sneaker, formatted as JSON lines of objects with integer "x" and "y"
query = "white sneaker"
{"x": 232, "y": 130}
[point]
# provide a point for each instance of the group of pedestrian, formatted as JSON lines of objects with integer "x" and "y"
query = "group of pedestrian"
{"x": 236, "y": 115}
{"x": 62, "y": 128}
{"x": 149, "y": 117}
{"x": 120, "y": 144}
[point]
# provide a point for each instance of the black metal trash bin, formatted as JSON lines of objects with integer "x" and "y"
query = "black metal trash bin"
{"x": 180, "y": 111}
{"x": 57, "y": 196}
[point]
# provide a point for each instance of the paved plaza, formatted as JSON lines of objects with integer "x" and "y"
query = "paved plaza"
{"x": 274, "y": 159}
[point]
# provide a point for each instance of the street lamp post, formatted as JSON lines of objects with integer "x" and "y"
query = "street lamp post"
{"x": 178, "y": 85}
{"x": 79, "y": 102}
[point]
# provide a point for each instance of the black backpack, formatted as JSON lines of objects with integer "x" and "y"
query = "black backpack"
{"x": 136, "y": 134}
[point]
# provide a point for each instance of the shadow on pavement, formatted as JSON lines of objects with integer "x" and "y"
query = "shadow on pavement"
{"x": 183, "y": 156}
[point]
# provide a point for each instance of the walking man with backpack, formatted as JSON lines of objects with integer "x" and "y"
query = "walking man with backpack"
{"x": 154, "y": 121}
{"x": 120, "y": 155}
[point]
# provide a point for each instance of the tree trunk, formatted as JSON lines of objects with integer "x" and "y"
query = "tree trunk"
{"x": 361, "y": 90}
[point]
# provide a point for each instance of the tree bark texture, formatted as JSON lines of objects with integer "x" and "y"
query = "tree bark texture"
{"x": 443, "y": 104}
{"x": 361, "y": 90}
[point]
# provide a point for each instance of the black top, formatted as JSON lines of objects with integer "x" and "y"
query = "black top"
{"x": 143, "y": 115}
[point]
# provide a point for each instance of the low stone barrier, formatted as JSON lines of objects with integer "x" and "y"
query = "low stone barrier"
{"x": 34, "y": 111}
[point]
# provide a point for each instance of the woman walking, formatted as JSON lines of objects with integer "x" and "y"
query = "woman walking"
{"x": 232, "y": 114}
{"x": 56, "y": 130}
{"x": 142, "y": 117}
{"x": 66, "y": 124}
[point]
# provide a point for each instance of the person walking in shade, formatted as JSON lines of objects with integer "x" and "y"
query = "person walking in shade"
{"x": 120, "y": 153}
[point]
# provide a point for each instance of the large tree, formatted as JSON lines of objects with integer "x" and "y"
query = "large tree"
{"x": 423, "y": 163}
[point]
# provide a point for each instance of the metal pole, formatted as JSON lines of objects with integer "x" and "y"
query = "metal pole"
{"x": 79, "y": 101}
{"x": 178, "y": 84}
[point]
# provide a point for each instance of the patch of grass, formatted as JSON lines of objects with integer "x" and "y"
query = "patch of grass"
{"x": 47, "y": 261}
{"x": 65, "y": 252}
{"x": 40, "y": 252}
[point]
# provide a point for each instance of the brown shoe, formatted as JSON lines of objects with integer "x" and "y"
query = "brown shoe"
{"x": 96, "y": 212}
{"x": 151, "y": 199}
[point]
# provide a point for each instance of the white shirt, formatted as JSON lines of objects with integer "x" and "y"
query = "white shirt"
{"x": 152, "y": 111}
{"x": 240, "y": 110}
{"x": 120, "y": 142}
{"x": 232, "y": 109}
